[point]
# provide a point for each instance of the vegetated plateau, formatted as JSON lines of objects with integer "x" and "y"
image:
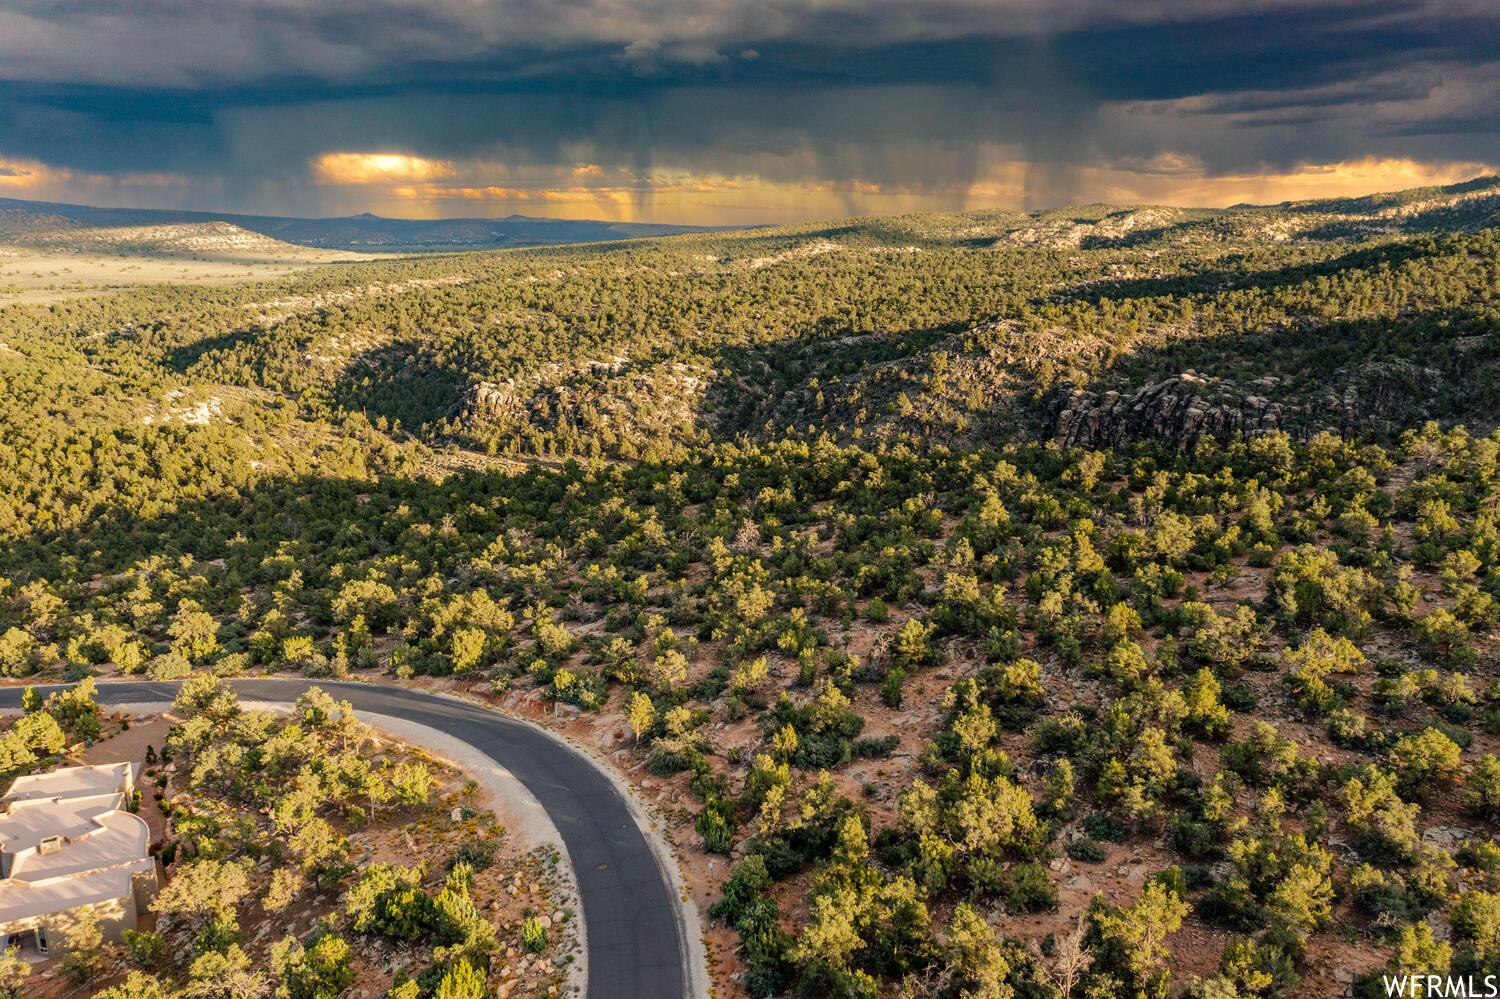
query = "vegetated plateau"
{"x": 1097, "y": 602}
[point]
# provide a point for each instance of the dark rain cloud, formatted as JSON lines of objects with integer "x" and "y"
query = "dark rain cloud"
{"x": 238, "y": 97}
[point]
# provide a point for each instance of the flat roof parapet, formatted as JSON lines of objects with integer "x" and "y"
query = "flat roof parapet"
{"x": 67, "y": 840}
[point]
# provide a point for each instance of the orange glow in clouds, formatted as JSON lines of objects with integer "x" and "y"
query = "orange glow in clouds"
{"x": 411, "y": 186}
{"x": 408, "y": 186}
{"x": 1347, "y": 179}
{"x": 374, "y": 168}
{"x": 40, "y": 181}
{"x": 22, "y": 173}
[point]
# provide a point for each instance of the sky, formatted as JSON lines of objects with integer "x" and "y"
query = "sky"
{"x": 731, "y": 112}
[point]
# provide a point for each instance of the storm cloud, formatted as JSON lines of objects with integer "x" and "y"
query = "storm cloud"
{"x": 723, "y": 111}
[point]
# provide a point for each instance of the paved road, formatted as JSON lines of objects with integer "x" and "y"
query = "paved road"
{"x": 635, "y": 945}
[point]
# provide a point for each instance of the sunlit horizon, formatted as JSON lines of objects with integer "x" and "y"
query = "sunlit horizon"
{"x": 404, "y": 186}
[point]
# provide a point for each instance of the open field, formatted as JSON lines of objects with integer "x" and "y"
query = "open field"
{"x": 41, "y": 267}
{"x": 34, "y": 277}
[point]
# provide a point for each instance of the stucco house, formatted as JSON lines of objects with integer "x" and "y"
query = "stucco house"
{"x": 69, "y": 846}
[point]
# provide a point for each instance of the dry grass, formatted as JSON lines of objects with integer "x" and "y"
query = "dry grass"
{"x": 39, "y": 274}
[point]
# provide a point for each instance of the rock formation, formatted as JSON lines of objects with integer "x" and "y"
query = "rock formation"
{"x": 1180, "y": 410}
{"x": 1380, "y": 397}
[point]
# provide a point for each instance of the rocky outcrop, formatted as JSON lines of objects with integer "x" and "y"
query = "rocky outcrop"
{"x": 1180, "y": 410}
{"x": 487, "y": 399}
{"x": 559, "y": 385}
{"x": 596, "y": 397}
{"x": 1378, "y": 397}
{"x": 1112, "y": 229}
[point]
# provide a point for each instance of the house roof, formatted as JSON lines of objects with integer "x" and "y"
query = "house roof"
{"x": 71, "y": 782}
{"x": 69, "y": 841}
{"x": 21, "y": 900}
{"x": 26, "y": 823}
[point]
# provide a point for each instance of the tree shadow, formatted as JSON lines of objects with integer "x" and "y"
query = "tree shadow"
{"x": 402, "y": 382}
{"x": 1372, "y": 378}
{"x": 756, "y": 380}
{"x": 1218, "y": 280}
{"x": 181, "y": 359}
{"x": 315, "y": 519}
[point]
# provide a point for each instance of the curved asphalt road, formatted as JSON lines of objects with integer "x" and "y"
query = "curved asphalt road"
{"x": 635, "y": 945}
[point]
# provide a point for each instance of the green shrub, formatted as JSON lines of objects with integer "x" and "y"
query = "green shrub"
{"x": 464, "y": 980}
{"x": 1425, "y": 760}
{"x": 1193, "y": 839}
{"x": 144, "y": 948}
{"x": 1027, "y": 888}
{"x": 1482, "y": 794}
{"x": 716, "y": 825}
{"x": 1240, "y": 698}
{"x": 533, "y": 935}
{"x": 479, "y": 854}
{"x": 1105, "y": 827}
{"x": 876, "y": 748}
{"x": 1347, "y": 729}
{"x": 1086, "y": 850}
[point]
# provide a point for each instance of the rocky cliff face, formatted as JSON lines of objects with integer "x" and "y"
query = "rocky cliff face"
{"x": 1180, "y": 410}
{"x": 600, "y": 396}
{"x": 1378, "y": 397}
{"x": 487, "y": 399}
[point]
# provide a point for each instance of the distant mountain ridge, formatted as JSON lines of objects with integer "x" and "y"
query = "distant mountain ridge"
{"x": 364, "y": 232}
{"x": 1469, "y": 205}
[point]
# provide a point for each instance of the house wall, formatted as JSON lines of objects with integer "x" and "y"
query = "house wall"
{"x": 114, "y": 917}
{"x": 144, "y": 885}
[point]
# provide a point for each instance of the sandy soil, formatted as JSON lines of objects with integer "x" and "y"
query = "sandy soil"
{"x": 514, "y": 807}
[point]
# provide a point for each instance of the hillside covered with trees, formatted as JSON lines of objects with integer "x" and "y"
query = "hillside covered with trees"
{"x": 1021, "y": 603}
